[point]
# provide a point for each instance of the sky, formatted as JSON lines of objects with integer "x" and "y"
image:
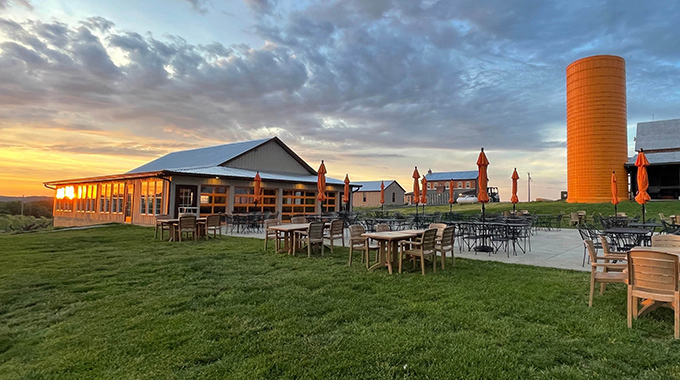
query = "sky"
{"x": 374, "y": 88}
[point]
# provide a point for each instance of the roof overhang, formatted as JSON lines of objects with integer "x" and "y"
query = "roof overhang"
{"x": 106, "y": 178}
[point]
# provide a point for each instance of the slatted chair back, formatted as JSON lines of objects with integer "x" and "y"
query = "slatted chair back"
{"x": 573, "y": 218}
{"x": 161, "y": 217}
{"x": 439, "y": 226}
{"x": 448, "y": 236}
{"x": 592, "y": 253}
{"x": 382, "y": 228}
{"x": 355, "y": 232}
{"x": 653, "y": 272}
{"x": 213, "y": 221}
{"x": 429, "y": 238}
{"x": 271, "y": 223}
{"x": 298, "y": 220}
{"x": 336, "y": 227}
{"x": 666, "y": 241}
{"x": 187, "y": 222}
{"x": 316, "y": 230}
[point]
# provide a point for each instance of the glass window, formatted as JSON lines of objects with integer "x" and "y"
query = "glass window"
{"x": 467, "y": 184}
{"x": 151, "y": 197}
{"x": 213, "y": 199}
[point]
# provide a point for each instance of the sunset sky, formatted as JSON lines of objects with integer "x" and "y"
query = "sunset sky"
{"x": 92, "y": 88}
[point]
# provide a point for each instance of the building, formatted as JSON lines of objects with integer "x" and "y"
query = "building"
{"x": 464, "y": 183}
{"x": 217, "y": 179}
{"x": 597, "y": 141}
{"x": 368, "y": 195}
{"x": 661, "y": 143}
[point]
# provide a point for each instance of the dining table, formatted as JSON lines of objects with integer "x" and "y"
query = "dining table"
{"x": 388, "y": 243}
{"x": 288, "y": 231}
{"x": 628, "y": 237}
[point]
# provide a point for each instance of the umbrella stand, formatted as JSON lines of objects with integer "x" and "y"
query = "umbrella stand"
{"x": 484, "y": 235}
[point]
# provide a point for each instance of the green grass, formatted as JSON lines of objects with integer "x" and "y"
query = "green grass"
{"x": 631, "y": 208}
{"x": 111, "y": 302}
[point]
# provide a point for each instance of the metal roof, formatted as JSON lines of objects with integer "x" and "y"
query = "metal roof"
{"x": 373, "y": 185}
{"x": 658, "y": 158}
{"x": 659, "y": 134}
{"x": 445, "y": 176}
{"x": 222, "y": 171}
{"x": 209, "y": 156}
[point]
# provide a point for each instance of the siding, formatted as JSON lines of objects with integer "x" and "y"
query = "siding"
{"x": 270, "y": 157}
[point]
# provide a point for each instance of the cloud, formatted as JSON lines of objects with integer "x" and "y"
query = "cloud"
{"x": 383, "y": 80}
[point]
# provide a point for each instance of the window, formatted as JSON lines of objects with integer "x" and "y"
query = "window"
{"x": 394, "y": 197}
{"x": 244, "y": 200}
{"x": 364, "y": 197}
{"x": 330, "y": 202}
{"x": 213, "y": 199}
{"x": 460, "y": 184}
{"x": 429, "y": 185}
{"x": 467, "y": 184}
{"x": 151, "y": 194}
{"x": 87, "y": 198}
{"x": 117, "y": 192}
{"x": 297, "y": 202}
{"x": 446, "y": 186}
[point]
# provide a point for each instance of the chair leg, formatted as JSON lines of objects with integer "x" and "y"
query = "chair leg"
{"x": 322, "y": 246}
{"x": 630, "y": 307}
{"x": 443, "y": 258}
{"x": 309, "y": 248}
{"x": 434, "y": 263}
{"x": 422, "y": 264}
{"x": 331, "y": 239}
{"x": 677, "y": 315}
{"x": 635, "y": 307}
{"x": 592, "y": 289}
{"x": 401, "y": 256}
{"x": 602, "y": 287}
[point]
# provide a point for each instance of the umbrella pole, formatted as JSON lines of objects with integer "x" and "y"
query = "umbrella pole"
{"x": 450, "y": 207}
{"x": 615, "y": 212}
{"x": 513, "y": 209}
{"x": 643, "y": 213}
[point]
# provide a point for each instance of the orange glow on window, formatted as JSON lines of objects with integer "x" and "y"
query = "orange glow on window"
{"x": 69, "y": 192}
{"x": 60, "y": 193}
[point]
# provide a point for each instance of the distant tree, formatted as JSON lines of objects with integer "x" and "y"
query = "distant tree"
{"x": 39, "y": 209}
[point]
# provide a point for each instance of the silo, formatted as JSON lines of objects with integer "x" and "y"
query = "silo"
{"x": 596, "y": 128}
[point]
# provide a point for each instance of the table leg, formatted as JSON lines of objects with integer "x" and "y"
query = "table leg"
{"x": 381, "y": 256}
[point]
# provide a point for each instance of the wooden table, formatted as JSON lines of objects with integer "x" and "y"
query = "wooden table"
{"x": 288, "y": 231}
{"x": 173, "y": 227}
{"x": 388, "y": 242}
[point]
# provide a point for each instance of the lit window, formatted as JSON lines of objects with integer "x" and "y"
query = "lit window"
{"x": 151, "y": 195}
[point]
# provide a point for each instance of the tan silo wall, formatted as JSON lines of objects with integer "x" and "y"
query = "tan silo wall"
{"x": 596, "y": 128}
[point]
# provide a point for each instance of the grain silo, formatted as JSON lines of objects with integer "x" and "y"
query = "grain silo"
{"x": 596, "y": 128}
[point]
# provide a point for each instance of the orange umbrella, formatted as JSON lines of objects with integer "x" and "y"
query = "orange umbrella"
{"x": 451, "y": 200}
{"x": 514, "y": 198}
{"x": 482, "y": 163}
{"x": 615, "y": 192}
{"x": 642, "y": 181}
{"x": 321, "y": 182}
{"x": 257, "y": 197}
{"x": 416, "y": 189}
{"x": 345, "y": 197}
{"x": 382, "y": 192}
{"x": 423, "y": 195}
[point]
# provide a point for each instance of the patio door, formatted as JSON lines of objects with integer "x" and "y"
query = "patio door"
{"x": 129, "y": 197}
{"x": 186, "y": 199}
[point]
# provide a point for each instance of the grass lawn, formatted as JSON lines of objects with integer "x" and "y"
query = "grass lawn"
{"x": 113, "y": 303}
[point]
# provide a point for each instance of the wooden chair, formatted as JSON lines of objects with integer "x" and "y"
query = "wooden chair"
{"x": 356, "y": 241}
{"x": 187, "y": 223}
{"x": 446, "y": 244}
{"x": 606, "y": 276}
{"x": 666, "y": 241}
{"x": 608, "y": 253}
{"x": 336, "y": 230}
{"x": 271, "y": 234}
{"x": 574, "y": 220}
{"x": 653, "y": 276}
{"x": 422, "y": 249}
{"x": 298, "y": 220}
{"x": 213, "y": 223}
{"x": 382, "y": 227}
{"x": 313, "y": 236}
{"x": 161, "y": 225}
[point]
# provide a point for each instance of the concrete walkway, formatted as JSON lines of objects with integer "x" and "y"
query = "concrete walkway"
{"x": 554, "y": 249}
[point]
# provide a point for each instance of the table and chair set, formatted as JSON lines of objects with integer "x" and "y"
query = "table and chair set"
{"x": 650, "y": 273}
{"x": 187, "y": 225}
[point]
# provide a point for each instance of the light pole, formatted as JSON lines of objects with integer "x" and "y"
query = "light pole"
{"x": 528, "y": 187}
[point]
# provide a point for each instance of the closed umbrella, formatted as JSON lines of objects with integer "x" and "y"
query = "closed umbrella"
{"x": 345, "y": 196}
{"x": 451, "y": 200}
{"x": 423, "y": 195}
{"x": 257, "y": 197}
{"x": 321, "y": 184}
{"x": 382, "y": 195}
{"x": 483, "y": 196}
{"x": 615, "y": 192}
{"x": 642, "y": 181}
{"x": 514, "y": 199}
{"x": 416, "y": 189}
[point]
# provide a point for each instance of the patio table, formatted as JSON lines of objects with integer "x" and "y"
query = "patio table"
{"x": 628, "y": 237}
{"x": 388, "y": 242}
{"x": 288, "y": 232}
